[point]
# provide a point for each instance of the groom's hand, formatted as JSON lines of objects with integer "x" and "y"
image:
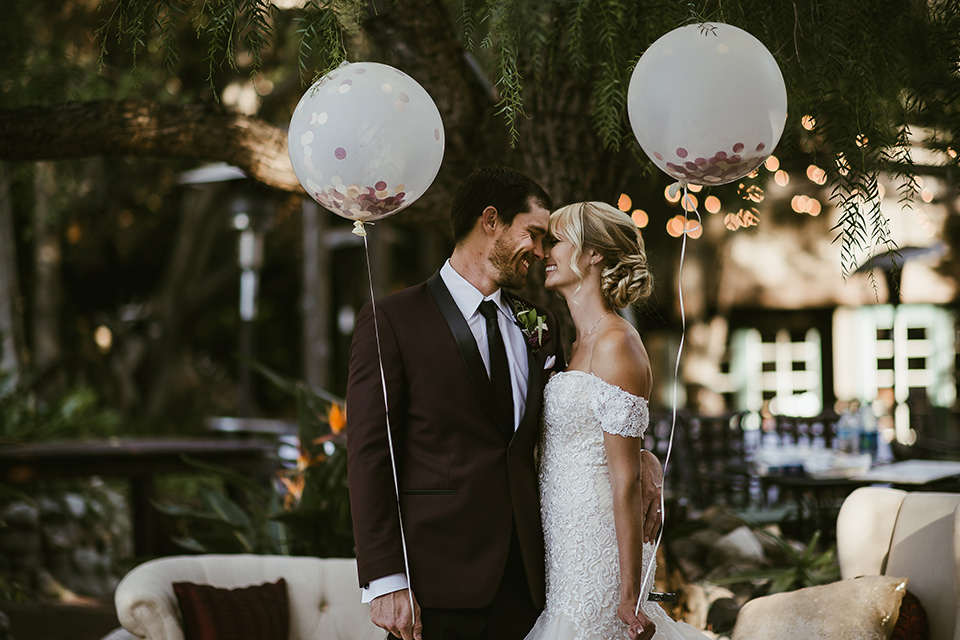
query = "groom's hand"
{"x": 392, "y": 612}
{"x": 651, "y": 481}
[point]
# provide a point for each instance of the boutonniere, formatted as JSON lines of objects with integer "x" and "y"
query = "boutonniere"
{"x": 534, "y": 326}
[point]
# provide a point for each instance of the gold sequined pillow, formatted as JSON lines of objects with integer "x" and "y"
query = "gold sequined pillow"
{"x": 861, "y": 608}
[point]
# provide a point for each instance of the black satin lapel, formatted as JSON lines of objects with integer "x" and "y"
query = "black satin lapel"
{"x": 465, "y": 342}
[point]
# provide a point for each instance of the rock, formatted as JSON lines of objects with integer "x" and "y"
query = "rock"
{"x": 57, "y": 561}
{"x": 20, "y": 514}
{"x": 694, "y": 605}
{"x": 5, "y": 627}
{"x": 739, "y": 544}
{"x": 690, "y": 569}
{"x": 690, "y": 548}
{"x": 16, "y": 543}
{"x": 705, "y": 539}
{"x": 86, "y": 561}
{"x": 83, "y": 585}
{"x": 50, "y": 508}
{"x": 730, "y": 569}
{"x": 771, "y": 550}
{"x": 76, "y": 505}
{"x": 720, "y": 519}
{"x": 722, "y": 615}
{"x": 59, "y": 535}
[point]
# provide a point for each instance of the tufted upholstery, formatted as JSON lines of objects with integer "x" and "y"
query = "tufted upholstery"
{"x": 323, "y": 594}
{"x": 883, "y": 531}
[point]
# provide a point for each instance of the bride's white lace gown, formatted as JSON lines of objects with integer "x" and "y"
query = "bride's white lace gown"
{"x": 583, "y": 567}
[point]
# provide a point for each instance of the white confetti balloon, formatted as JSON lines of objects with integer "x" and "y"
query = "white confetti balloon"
{"x": 366, "y": 141}
{"x": 707, "y": 103}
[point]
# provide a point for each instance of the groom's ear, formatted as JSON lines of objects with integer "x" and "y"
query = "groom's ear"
{"x": 490, "y": 220}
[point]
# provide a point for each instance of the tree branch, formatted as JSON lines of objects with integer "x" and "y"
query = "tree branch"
{"x": 149, "y": 129}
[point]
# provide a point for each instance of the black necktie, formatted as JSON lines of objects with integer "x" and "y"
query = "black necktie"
{"x": 499, "y": 369}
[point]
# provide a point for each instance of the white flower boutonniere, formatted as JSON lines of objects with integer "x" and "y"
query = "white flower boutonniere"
{"x": 534, "y": 326}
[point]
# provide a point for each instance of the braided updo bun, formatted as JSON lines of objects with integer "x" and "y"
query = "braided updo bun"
{"x": 625, "y": 278}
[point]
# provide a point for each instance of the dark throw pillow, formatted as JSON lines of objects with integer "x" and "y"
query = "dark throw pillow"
{"x": 912, "y": 621}
{"x": 259, "y": 612}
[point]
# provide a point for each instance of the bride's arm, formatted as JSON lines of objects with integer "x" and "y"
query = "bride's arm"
{"x": 623, "y": 460}
{"x": 620, "y": 359}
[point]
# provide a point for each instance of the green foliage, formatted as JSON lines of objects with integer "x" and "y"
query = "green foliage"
{"x": 868, "y": 73}
{"x": 321, "y": 41}
{"x": 876, "y": 77}
{"x": 305, "y": 511}
{"x": 230, "y": 30}
{"x": 806, "y": 568}
{"x": 225, "y": 525}
{"x": 25, "y": 416}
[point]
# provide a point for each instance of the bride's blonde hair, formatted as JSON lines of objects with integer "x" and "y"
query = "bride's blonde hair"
{"x": 625, "y": 278}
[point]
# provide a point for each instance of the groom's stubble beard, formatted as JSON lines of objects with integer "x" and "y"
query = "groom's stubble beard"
{"x": 509, "y": 264}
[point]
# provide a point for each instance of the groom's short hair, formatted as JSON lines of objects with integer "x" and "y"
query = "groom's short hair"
{"x": 509, "y": 191}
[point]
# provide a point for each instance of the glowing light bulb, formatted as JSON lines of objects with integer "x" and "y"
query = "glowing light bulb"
{"x": 712, "y": 204}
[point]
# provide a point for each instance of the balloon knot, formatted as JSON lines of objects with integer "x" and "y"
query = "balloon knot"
{"x": 358, "y": 229}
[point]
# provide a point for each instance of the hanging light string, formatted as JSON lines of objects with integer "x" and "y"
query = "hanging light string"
{"x": 360, "y": 231}
{"x": 646, "y": 584}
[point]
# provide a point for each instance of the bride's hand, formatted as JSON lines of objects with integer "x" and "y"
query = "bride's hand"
{"x": 641, "y": 627}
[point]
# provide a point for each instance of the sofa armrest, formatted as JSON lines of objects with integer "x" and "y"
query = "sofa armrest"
{"x": 323, "y": 593}
{"x": 865, "y": 528}
{"x": 146, "y": 604}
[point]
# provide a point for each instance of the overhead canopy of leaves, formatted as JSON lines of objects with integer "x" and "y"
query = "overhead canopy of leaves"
{"x": 874, "y": 77}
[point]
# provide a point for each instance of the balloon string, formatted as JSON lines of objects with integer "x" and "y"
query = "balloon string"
{"x": 646, "y": 581}
{"x": 383, "y": 382}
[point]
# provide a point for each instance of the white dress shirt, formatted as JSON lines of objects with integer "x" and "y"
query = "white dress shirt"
{"x": 468, "y": 299}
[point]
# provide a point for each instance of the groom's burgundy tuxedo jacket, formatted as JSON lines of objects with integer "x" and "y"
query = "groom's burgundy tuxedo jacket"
{"x": 462, "y": 484}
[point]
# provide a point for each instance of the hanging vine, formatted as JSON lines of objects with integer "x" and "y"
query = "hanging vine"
{"x": 876, "y": 77}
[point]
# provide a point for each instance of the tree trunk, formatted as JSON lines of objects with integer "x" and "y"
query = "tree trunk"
{"x": 47, "y": 294}
{"x": 316, "y": 298}
{"x": 11, "y": 306}
{"x": 186, "y": 285}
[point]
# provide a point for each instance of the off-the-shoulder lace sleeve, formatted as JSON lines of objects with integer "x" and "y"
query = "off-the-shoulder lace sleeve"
{"x": 619, "y": 412}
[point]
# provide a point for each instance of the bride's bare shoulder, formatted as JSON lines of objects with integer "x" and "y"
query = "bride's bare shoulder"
{"x": 620, "y": 358}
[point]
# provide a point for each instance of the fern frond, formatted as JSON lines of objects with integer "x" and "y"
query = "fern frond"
{"x": 256, "y": 29}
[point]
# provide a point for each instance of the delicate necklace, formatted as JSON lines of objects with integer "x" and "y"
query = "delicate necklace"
{"x": 595, "y": 324}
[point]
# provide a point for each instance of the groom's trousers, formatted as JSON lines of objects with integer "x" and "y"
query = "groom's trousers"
{"x": 509, "y": 617}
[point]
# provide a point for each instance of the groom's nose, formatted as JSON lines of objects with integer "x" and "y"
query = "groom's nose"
{"x": 538, "y": 249}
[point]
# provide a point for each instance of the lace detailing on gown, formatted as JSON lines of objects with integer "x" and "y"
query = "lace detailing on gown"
{"x": 582, "y": 561}
{"x": 618, "y": 412}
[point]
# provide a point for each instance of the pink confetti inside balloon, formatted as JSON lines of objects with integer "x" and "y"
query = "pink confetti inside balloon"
{"x": 711, "y": 93}
{"x": 355, "y": 152}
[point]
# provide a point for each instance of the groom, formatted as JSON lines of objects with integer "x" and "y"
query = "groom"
{"x": 464, "y": 388}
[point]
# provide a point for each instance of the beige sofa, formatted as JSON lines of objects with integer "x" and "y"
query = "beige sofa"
{"x": 886, "y": 534}
{"x": 323, "y": 594}
{"x": 915, "y": 535}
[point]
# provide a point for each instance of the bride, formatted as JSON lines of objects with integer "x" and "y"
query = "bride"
{"x": 595, "y": 413}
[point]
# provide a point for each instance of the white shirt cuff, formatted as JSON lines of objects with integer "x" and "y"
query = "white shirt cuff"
{"x": 383, "y": 586}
